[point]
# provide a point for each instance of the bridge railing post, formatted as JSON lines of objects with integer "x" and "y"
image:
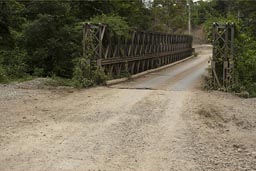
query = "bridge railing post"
{"x": 223, "y": 55}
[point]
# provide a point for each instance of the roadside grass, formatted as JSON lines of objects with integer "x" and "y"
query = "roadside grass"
{"x": 58, "y": 81}
{"x": 18, "y": 80}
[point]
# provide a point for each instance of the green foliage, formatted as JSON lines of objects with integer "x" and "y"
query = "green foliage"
{"x": 13, "y": 63}
{"x": 169, "y": 16}
{"x": 3, "y": 76}
{"x": 209, "y": 24}
{"x": 242, "y": 14}
{"x": 86, "y": 74}
{"x": 115, "y": 23}
{"x": 134, "y": 12}
{"x": 251, "y": 88}
{"x": 39, "y": 72}
{"x": 10, "y": 21}
{"x": 82, "y": 73}
{"x": 52, "y": 39}
{"x": 203, "y": 11}
{"x": 84, "y": 10}
{"x": 59, "y": 81}
{"x": 246, "y": 63}
{"x": 245, "y": 12}
{"x": 54, "y": 8}
{"x": 41, "y": 38}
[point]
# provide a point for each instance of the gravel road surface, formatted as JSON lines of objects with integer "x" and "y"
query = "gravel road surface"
{"x": 161, "y": 121}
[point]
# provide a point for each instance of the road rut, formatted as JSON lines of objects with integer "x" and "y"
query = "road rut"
{"x": 137, "y": 125}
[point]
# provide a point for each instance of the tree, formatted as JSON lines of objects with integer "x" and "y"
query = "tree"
{"x": 45, "y": 37}
{"x": 51, "y": 39}
{"x": 134, "y": 12}
{"x": 168, "y": 15}
{"x": 10, "y": 22}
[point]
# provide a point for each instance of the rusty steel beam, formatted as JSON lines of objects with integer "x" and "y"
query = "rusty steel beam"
{"x": 137, "y": 52}
{"x": 223, "y": 55}
{"x": 143, "y": 57}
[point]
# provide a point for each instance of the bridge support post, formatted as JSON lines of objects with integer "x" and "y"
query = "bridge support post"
{"x": 223, "y": 55}
{"x": 93, "y": 35}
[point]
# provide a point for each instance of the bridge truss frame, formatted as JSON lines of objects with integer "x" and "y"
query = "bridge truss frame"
{"x": 136, "y": 52}
{"x": 222, "y": 63}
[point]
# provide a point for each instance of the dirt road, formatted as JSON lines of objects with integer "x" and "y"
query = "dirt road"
{"x": 162, "y": 121}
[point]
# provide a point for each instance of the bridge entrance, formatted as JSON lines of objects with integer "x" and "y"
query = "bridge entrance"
{"x": 137, "y": 52}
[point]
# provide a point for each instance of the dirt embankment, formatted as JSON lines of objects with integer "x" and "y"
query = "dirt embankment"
{"x": 223, "y": 129}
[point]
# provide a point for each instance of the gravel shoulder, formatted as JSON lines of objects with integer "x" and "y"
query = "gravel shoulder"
{"x": 223, "y": 129}
{"x": 138, "y": 125}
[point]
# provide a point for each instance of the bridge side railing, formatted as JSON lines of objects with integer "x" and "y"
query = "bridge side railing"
{"x": 137, "y": 51}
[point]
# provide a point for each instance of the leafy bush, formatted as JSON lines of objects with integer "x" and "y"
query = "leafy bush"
{"x": 3, "y": 76}
{"x": 52, "y": 39}
{"x": 209, "y": 22}
{"x": 82, "y": 73}
{"x": 245, "y": 55}
{"x": 39, "y": 72}
{"x": 246, "y": 63}
{"x": 13, "y": 63}
{"x": 86, "y": 74}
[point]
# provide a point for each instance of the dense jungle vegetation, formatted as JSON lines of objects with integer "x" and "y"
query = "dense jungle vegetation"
{"x": 43, "y": 38}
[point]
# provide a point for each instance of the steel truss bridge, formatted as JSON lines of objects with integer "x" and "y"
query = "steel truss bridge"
{"x": 135, "y": 52}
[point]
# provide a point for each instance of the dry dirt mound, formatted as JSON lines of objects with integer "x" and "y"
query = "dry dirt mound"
{"x": 34, "y": 84}
{"x": 224, "y": 129}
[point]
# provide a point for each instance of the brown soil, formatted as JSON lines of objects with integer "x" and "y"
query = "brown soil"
{"x": 128, "y": 126}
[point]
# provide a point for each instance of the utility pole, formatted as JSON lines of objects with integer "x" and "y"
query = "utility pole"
{"x": 189, "y": 17}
